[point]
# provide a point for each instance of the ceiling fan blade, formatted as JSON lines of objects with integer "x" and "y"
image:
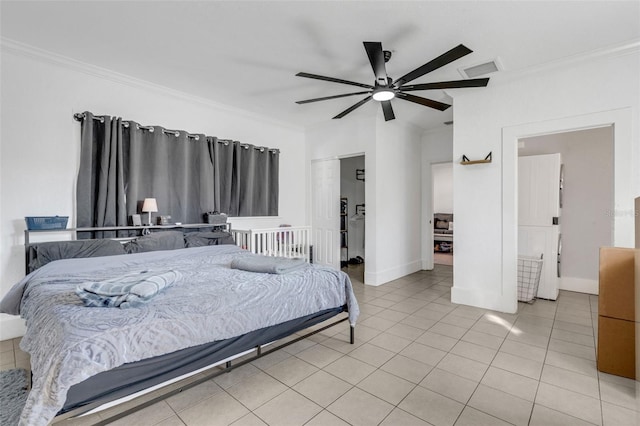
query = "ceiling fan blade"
{"x": 331, "y": 97}
{"x": 423, "y": 101}
{"x": 442, "y": 60}
{"x": 333, "y": 80}
{"x": 388, "y": 110}
{"x": 476, "y": 82}
{"x": 376, "y": 58}
{"x": 352, "y": 107}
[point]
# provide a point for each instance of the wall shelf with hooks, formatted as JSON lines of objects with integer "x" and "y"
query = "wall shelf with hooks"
{"x": 466, "y": 162}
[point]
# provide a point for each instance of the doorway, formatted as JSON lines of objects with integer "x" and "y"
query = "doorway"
{"x": 584, "y": 200}
{"x": 443, "y": 247}
{"x": 506, "y": 299}
{"x": 352, "y": 216}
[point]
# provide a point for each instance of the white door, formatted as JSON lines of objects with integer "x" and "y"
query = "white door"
{"x": 538, "y": 205}
{"x": 538, "y": 189}
{"x": 325, "y": 212}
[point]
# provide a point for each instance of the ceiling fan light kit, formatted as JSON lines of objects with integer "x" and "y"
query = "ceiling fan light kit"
{"x": 383, "y": 94}
{"x": 384, "y": 89}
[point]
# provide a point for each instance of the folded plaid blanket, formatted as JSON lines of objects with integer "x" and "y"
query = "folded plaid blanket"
{"x": 267, "y": 264}
{"x": 127, "y": 291}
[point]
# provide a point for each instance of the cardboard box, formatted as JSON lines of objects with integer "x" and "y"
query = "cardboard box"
{"x": 616, "y": 347}
{"x": 638, "y": 295}
{"x": 617, "y": 286}
{"x": 616, "y": 309}
{"x": 638, "y": 318}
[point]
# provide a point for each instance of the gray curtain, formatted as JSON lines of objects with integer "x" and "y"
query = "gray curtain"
{"x": 188, "y": 175}
{"x": 245, "y": 178}
{"x": 273, "y": 181}
{"x": 100, "y": 191}
{"x": 171, "y": 167}
{"x": 222, "y": 153}
{"x": 255, "y": 175}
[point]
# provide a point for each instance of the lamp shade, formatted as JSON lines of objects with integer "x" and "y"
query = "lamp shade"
{"x": 150, "y": 205}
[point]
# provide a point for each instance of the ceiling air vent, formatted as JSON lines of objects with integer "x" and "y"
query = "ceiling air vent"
{"x": 484, "y": 68}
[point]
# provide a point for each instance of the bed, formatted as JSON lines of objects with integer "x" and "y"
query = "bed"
{"x": 84, "y": 357}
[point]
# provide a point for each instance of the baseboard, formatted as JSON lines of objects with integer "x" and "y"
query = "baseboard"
{"x": 580, "y": 285}
{"x": 11, "y": 327}
{"x": 382, "y": 277}
{"x": 426, "y": 266}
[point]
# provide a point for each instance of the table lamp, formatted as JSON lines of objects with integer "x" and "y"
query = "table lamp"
{"x": 150, "y": 205}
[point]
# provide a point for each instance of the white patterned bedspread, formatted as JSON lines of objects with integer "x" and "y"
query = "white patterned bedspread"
{"x": 69, "y": 342}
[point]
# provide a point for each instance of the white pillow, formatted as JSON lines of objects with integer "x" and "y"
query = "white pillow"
{"x": 450, "y": 226}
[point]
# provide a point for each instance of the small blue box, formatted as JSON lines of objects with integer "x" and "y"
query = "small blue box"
{"x": 39, "y": 223}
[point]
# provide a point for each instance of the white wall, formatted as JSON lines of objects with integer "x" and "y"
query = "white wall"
{"x": 437, "y": 147}
{"x": 398, "y": 203}
{"x": 40, "y": 144}
{"x": 545, "y": 100}
{"x": 353, "y": 190}
{"x": 586, "y": 221}
{"x": 392, "y": 162}
{"x": 442, "y": 187}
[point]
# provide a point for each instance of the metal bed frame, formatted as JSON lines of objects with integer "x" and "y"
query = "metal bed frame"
{"x": 229, "y": 366}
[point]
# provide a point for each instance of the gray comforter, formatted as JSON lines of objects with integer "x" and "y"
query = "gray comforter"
{"x": 69, "y": 342}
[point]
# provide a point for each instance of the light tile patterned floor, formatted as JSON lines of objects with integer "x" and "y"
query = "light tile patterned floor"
{"x": 418, "y": 360}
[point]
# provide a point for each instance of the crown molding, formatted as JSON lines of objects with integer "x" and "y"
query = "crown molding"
{"x": 39, "y": 54}
{"x": 615, "y": 50}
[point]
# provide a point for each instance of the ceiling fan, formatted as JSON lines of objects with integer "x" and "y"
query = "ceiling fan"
{"x": 385, "y": 89}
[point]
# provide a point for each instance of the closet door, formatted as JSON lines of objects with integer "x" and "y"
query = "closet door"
{"x": 325, "y": 212}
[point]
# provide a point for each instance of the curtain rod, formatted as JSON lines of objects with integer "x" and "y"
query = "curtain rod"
{"x": 79, "y": 116}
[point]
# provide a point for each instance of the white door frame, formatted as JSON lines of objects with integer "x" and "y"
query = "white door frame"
{"x": 427, "y": 217}
{"x": 428, "y": 258}
{"x": 623, "y": 215}
{"x": 427, "y": 214}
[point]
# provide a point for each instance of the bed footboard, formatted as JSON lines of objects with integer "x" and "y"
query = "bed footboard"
{"x": 223, "y": 366}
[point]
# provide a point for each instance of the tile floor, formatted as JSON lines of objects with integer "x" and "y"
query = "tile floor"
{"x": 418, "y": 360}
{"x": 443, "y": 258}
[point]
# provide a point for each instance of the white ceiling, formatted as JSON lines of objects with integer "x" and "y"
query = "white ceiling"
{"x": 246, "y": 54}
